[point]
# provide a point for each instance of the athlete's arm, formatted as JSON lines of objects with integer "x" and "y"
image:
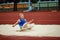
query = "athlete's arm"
{"x": 30, "y": 21}
{"x": 16, "y": 23}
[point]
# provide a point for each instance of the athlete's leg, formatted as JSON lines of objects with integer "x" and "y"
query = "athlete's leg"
{"x": 25, "y": 25}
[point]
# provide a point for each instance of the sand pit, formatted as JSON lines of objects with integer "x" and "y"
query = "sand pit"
{"x": 37, "y": 30}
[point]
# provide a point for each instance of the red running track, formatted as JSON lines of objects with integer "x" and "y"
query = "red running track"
{"x": 3, "y": 37}
{"x": 40, "y": 17}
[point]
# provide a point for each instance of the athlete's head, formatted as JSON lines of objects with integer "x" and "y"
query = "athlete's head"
{"x": 21, "y": 15}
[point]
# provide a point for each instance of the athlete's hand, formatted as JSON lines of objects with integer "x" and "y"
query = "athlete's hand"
{"x": 13, "y": 26}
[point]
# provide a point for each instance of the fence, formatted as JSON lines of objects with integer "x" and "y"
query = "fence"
{"x": 40, "y": 5}
{"x": 48, "y": 5}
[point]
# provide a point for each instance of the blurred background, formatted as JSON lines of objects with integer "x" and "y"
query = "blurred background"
{"x": 21, "y": 5}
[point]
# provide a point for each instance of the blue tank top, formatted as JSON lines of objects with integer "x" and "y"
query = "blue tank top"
{"x": 22, "y": 21}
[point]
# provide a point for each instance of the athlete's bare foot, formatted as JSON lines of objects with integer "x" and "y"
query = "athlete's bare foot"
{"x": 29, "y": 28}
{"x": 17, "y": 30}
{"x": 21, "y": 30}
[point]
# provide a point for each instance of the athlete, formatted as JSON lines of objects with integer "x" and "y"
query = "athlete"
{"x": 22, "y": 22}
